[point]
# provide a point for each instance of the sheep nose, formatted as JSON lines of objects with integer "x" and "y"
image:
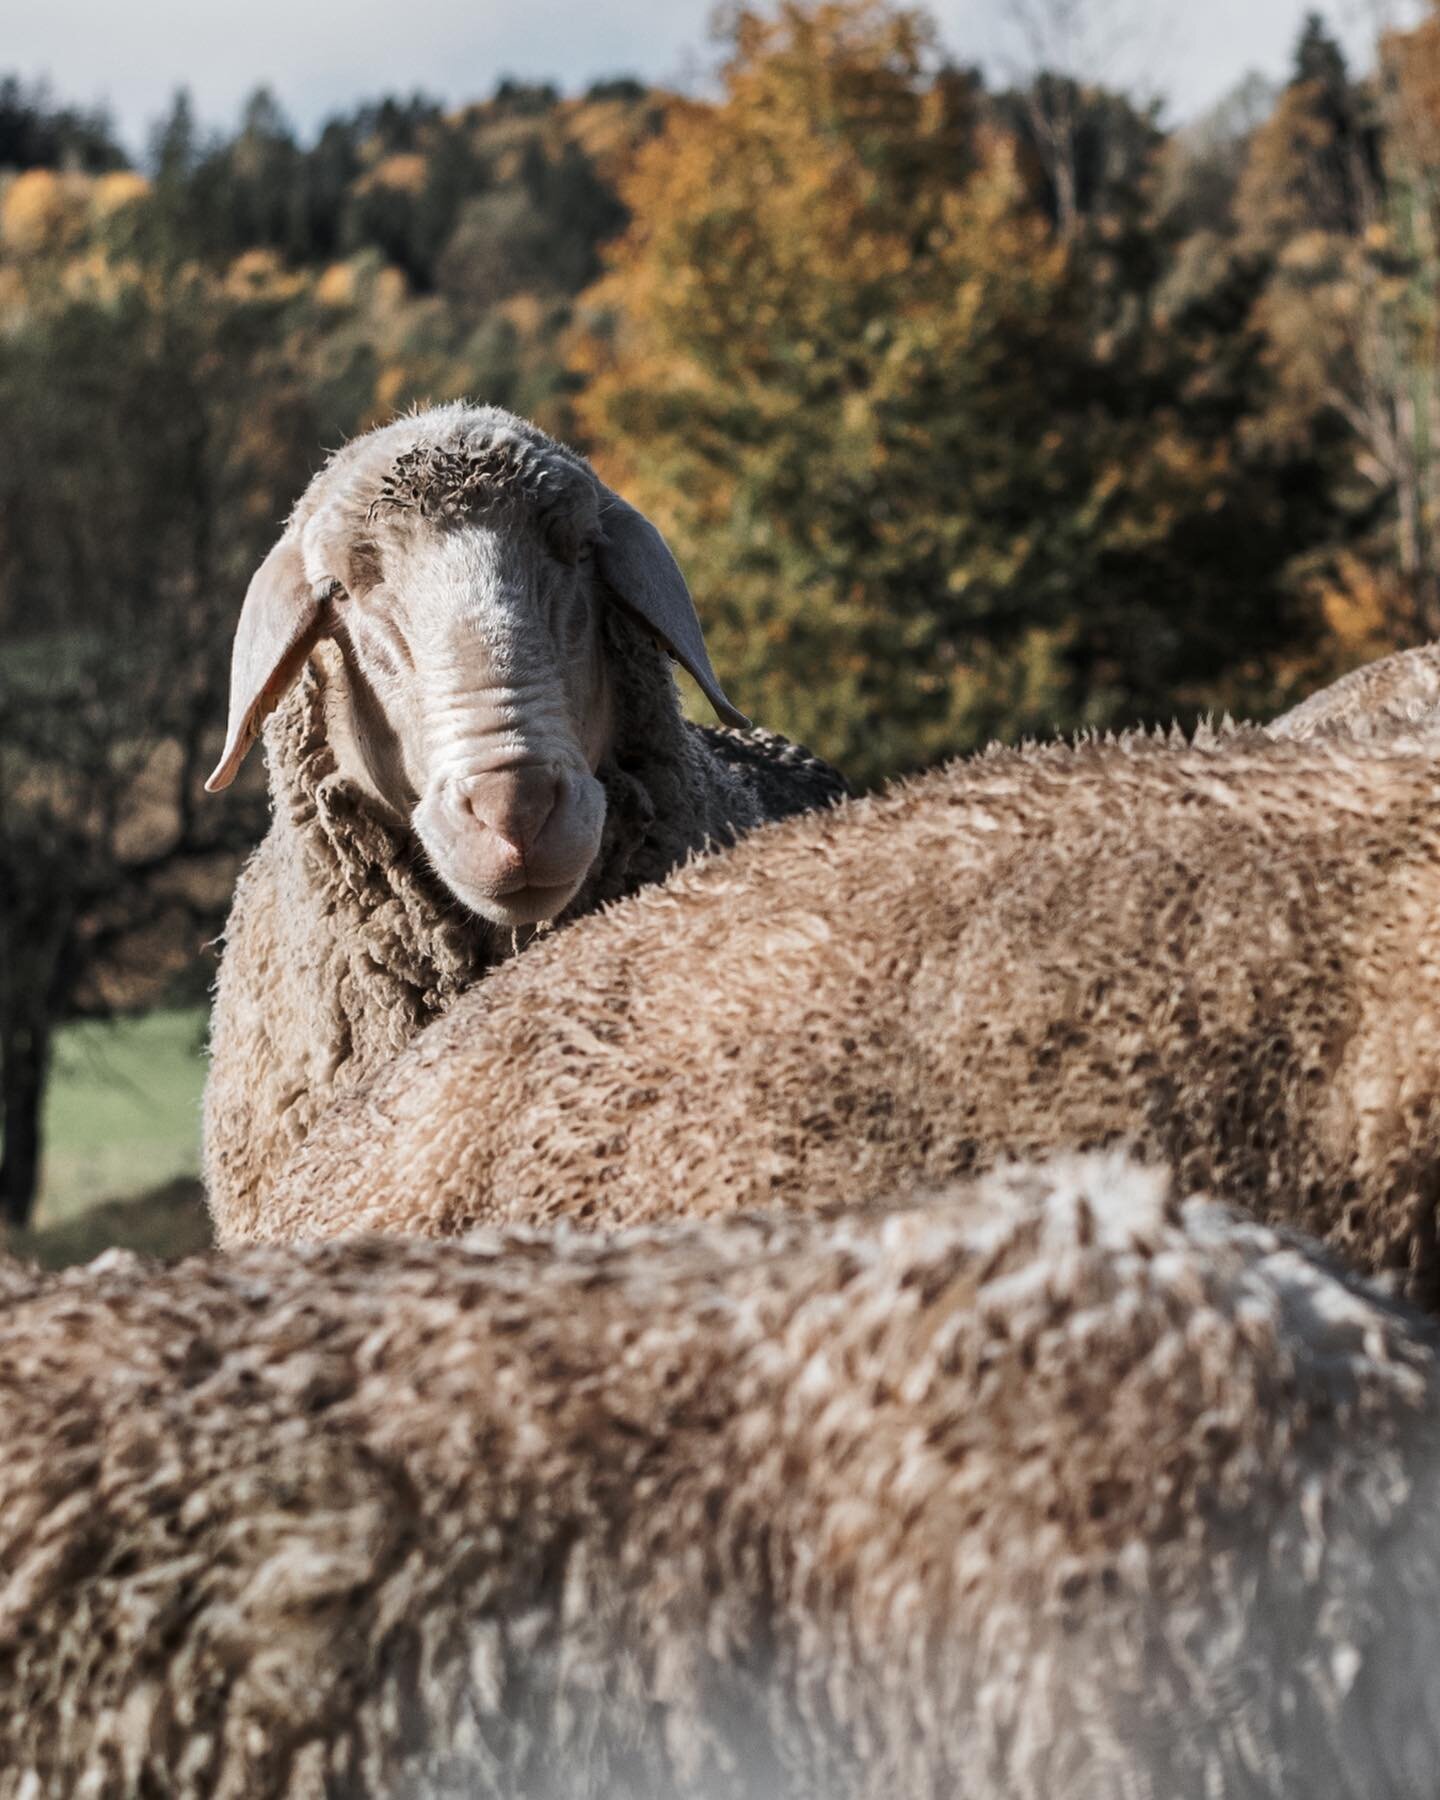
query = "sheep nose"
{"x": 513, "y": 803}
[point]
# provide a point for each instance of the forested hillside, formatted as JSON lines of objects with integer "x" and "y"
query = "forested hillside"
{"x": 981, "y": 410}
{"x": 969, "y": 411}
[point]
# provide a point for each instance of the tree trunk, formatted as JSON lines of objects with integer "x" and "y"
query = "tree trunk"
{"x": 1427, "y": 606}
{"x": 24, "y": 1067}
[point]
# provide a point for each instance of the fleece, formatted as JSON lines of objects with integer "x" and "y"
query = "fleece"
{"x": 1224, "y": 953}
{"x": 1050, "y": 1485}
{"x": 1398, "y": 690}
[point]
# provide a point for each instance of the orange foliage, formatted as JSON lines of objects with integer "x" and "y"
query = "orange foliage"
{"x": 1411, "y": 61}
{"x": 405, "y": 172}
{"x": 826, "y": 199}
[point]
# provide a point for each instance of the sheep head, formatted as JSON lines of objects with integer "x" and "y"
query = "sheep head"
{"x": 459, "y": 560}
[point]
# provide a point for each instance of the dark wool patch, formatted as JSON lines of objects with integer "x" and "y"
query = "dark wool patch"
{"x": 448, "y": 482}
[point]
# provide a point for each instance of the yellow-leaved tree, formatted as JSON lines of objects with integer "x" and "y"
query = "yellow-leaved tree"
{"x": 842, "y": 358}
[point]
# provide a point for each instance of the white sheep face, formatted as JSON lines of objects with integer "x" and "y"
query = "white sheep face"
{"x": 465, "y": 610}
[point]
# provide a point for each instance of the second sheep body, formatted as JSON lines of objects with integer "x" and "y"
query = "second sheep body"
{"x": 1227, "y": 954}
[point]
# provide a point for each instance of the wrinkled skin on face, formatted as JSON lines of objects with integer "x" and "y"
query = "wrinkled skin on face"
{"x": 459, "y": 587}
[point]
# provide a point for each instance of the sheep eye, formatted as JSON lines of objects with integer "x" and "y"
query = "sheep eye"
{"x": 330, "y": 591}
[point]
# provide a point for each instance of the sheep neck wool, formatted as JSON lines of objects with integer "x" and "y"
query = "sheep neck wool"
{"x": 377, "y": 879}
{"x": 373, "y": 875}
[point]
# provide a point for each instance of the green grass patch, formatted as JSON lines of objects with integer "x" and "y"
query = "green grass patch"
{"x": 122, "y": 1116}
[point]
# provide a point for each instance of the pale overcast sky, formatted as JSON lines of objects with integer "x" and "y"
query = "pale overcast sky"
{"x": 321, "y": 55}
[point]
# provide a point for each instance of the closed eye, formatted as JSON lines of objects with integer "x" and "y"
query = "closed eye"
{"x": 328, "y": 597}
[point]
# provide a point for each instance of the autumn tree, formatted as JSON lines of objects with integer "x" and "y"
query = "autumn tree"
{"x": 1401, "y": 399}
{"x": 848, "y": 364}
{"x": 1081, "y": 135}
{"x": 1336, "y": 202}
{"x": 1315, "y": 163}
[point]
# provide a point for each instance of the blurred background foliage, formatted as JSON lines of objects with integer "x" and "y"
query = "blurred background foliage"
{"x": 970, "y": 412}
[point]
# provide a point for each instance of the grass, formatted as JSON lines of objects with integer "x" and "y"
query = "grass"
{"x": 122, "y": 1140}
{"x": 123, "y": 1111}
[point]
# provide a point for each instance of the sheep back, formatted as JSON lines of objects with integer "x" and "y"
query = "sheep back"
{"x": 1223, "y": 954}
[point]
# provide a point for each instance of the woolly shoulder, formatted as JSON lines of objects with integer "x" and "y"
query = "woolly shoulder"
{"x": 786, "y": 777}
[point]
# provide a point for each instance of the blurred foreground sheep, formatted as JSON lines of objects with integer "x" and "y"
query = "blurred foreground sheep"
{"x": 466, "y": 637}
{"x": 1227, "y": 954}
{"x": 1047, "y": 1488}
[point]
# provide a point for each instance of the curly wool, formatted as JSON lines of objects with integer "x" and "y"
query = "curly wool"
{"x": 1225, "y": 954}
{"x": 440, "y": 482}
{"x": 1046, "y": 1486}
{"x": 342, "y": 944}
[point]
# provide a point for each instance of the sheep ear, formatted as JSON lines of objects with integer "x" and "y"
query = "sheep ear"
{"x": 636, "y": 561}
{"x": 280, "y": 623}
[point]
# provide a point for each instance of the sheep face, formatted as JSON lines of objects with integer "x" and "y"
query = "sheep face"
{"x": 468, "y": 621}
{"x": 459, "y": 560}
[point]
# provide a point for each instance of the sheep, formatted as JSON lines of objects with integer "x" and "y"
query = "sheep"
{"x": 1399, "y": 690}
{"x": 1226, "y": 953}
{"x": 464, "y": 639}
{"x": 1047, "y": 1485}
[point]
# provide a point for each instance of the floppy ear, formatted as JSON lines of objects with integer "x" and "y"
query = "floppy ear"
{"x": 636, "y": 561}
{"x": 280, "y": 624}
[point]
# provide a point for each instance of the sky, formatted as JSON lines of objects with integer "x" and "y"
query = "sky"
{"x": 320, "y": 56}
